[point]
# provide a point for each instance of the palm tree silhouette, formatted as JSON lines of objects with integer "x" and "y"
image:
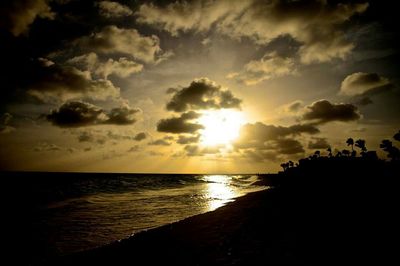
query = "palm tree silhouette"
{"x": 397, "y": 136}
{"x": 360, "y": 143}
{"x": 350, "y": 142}
{"x": 284, "y": 166}
{"x": 393, "y": 152}
{"x": 346, "y": 153}
{"x": 330, "y": 151}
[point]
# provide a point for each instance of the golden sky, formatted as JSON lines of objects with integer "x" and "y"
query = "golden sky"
{"x": 193, "y": 87}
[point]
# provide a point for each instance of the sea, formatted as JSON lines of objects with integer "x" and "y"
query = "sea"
{"x": 63, "y": 213}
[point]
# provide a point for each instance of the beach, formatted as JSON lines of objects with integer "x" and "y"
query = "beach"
{"x": 292, "y": 223}
{"x": 244, "y": 232}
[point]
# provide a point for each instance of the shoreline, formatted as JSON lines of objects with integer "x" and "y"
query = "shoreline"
{"x": 314, "y": 215}
{"x": 211, "y": 233}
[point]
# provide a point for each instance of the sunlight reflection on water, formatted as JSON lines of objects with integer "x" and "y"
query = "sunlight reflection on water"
{"x": 112, "y": 210}
{"x": 219, "y": 191}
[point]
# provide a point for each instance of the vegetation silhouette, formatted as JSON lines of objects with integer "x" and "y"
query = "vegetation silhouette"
{"x": 345, "y": 158}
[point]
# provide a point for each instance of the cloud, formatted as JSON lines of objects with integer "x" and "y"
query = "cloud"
{"x": 140, "y": 136}
{"x": 5, "y": 120}
{"x": 288, "y": 146}
{"x": 78, "y": 114}
{"x": 155, "y": 153}
{"x": 363, "y": 101}
{"x": 110, "y": 9}
{"x": 122, "y": 67}
{"x": 180, "y": 124}
{"x": 85, "y": 136}
{"x": 114, "y": 40}
{"x": 261, "y": 142}
{"x": 195, "y": 150}
{"x": 293, "y": 107}
{"x": 256, "y": 135}
{"x": 323, "y": 111}
{"x": 318, "y": 143}
{"x": 159, "y": 142}
{"x": 262, "y": 155}
{"x": 202, "y": 94}
{"x": 315, "y": 24}
{"x": 271, "y": 65}
{"x": 183, "y": 139}
{"x": 44, "y": 147}
{"x": 134, "y": 148}
{"x": 61, "y": 83}
{"x": 364, "y": 84}
{"x": 17, "y": 16}
{"x": 186, "y": 16}
{"x": 123, "y": 115}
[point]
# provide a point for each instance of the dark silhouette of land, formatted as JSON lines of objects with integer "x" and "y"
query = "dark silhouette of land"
{"x": 324, "y": 209}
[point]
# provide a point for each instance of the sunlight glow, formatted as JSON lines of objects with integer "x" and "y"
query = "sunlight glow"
{"x": 221, "y": 127}
{"x": 219, "y": 191}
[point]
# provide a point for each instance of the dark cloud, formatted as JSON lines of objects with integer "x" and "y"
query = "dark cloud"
{"x": 134, "y": 148}
{"x": 363, "y": 84}
{"x": 122, "y": 116}
{"x": 45, "y": 147}
{"x": 180, "y": 124}
{"x": 271, "y": 65}
{"x": 16, "y": 16}
{"x": 78, "y": 114}
{"x": 323, "y": 111}
{"x": 111, "y": 9}
{"x": 363, "y": 101}
{"x": 160, "y": 142}
{"x": 85, "y": 136}
{"x": 56, "y": 83}
{"x": 255, "y": 135}
{"x": 172, "y": 90}
{"x": 361, "y": 87}
{"x": 262, "y": 155}
{"x": 183, "y": 139}
{"x": 123, "y": 67}
{"x": 169, "y": 138}
{"x": 315, "y": 24}
{"x": 318, "y": 143}
{"x": 114, "y": 40}
{"x": 269, "y": 142}
{"x": 293, "y": 107}
{"x": 140, "y": 136}
{"x": 155, "y": 153}
{"x": 202, "y": 94}
{"x": 288, "y": 146}
{"x": 195, "y": 150}
{"x": 5, "y": 121}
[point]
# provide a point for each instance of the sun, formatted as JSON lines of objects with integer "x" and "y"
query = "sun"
{"x": 221, "y": 127}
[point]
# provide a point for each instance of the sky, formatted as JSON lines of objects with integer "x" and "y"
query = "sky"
{"x": 193, "y": 86}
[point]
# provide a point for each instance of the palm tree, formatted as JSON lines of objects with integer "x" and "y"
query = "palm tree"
{"x": 346, "y": 153}
{"x": 393, "y": 152}
{"x": 350, "y": 142}
{"x": 397, "y": 136}
{"x": 284, "y": 166}
{"x": 360, "y": 143}
{"x": 330, "y": 151}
